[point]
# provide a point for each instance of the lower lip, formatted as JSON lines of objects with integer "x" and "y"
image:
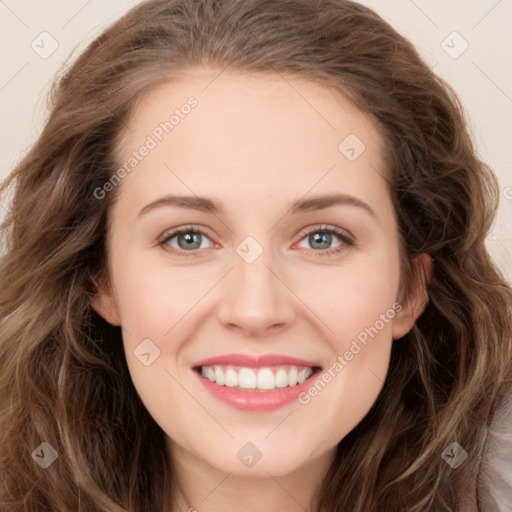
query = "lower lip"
{"x": 256, "y": 400}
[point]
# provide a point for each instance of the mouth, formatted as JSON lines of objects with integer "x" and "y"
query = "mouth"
{"x": 243, "y": 378}
{"x": 256, "y": 383}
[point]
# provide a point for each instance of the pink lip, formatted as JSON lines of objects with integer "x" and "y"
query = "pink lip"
{"x": 254, "y": 361}
{"x": 255, "y": 400}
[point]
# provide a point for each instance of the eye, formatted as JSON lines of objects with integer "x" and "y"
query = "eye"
{"x": 184, "y": 240}
{"x": 321, "y": 237}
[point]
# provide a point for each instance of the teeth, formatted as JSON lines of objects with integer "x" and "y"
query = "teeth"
{"x": 266, "y": 379}
{"x": 301, "y": 377}
{"x": 292, "y": 377}
{"x": 219, "y": 376}
{"x": 231, "y": 378}
{"x": 281, "y": 378}
{"x": 256, "y": 378}
{"x": 247, "y": 378}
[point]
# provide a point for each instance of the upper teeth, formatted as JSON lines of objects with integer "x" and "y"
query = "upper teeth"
{"x": 256, "y": 378}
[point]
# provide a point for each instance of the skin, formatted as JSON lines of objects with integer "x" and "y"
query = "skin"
{"x": 254, "y": 144}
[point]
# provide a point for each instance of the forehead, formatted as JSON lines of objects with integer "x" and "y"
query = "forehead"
{"x": 259, "y": 133}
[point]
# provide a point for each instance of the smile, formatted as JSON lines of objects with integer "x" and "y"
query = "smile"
{"x": 256, "y": 383}
{"x": 263, "y": 379}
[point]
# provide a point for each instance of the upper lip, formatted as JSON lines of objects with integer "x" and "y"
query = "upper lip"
{"x": 255, "y": 361}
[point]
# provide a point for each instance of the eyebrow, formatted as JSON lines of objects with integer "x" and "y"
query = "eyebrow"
{"x": 207, "y": 205}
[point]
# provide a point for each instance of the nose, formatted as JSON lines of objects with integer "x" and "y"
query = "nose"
{"x": 256, "y": 300}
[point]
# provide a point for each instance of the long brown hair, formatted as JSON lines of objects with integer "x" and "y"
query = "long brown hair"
{"x": 63, "y": 374}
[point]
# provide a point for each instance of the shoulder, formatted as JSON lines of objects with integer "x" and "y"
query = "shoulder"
{"x": 495, "y": 476}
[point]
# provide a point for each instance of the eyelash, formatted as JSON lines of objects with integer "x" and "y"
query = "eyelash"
{"x": 323, "y": 228}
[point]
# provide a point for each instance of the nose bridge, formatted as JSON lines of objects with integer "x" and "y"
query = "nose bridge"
{"x": 254, "y": 299}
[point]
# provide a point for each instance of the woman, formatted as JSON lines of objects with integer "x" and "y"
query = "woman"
{"x": 255, "y": 370}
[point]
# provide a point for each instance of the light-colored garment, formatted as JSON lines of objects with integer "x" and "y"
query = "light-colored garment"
{"x": 494, "y": 485}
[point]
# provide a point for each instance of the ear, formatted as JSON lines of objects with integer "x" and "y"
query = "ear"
{"x": 104, "y": 302}
{"x": 415, "y": 298}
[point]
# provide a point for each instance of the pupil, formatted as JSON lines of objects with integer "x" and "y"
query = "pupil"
{"x": 190, "y": 239}
{"x": 319, "y": 238}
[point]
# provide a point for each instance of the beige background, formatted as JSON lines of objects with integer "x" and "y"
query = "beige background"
{"x": 482, "y": 74}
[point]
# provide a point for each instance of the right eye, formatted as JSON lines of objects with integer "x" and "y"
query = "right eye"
{"x": 185, "y": 240}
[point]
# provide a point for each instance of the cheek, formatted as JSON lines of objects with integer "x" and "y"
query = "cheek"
{"x": 361, "y": 345}
{"x": 355, "y": 298}
{"x": 357, "y": 307}
{"x": 156, "y": 303}
{"x": 153, "y": 298}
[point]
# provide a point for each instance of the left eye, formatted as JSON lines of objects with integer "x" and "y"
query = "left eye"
{"x": 322, "y": 237}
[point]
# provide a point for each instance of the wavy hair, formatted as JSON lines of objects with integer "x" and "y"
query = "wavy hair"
{"x": 63, "y": 374}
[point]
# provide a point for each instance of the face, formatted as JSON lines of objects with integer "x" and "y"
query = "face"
{"x": 254, "y": 268}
